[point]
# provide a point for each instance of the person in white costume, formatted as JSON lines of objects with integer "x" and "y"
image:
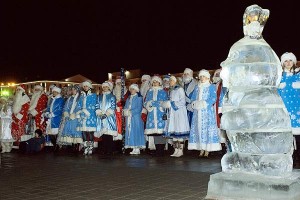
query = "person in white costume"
{"x": 5, "y": 124}
{"x": 177, "y": 126}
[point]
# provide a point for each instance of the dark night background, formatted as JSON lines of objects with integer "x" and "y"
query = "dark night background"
{"x": 58, "y": 39}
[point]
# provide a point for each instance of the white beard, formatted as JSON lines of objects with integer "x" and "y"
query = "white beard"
{"x": 19, "y": 101}
{"x": 117, "y": 92}
{"x": 186, "y": 79}
{"x": 34, "y": 100}
{"x": 144, "y": 88}
{"x": 216, "y": 79}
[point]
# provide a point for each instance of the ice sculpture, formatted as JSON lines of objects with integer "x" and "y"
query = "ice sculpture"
{"x": 256, "y": 121}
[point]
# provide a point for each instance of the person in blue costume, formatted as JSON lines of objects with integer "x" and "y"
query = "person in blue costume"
{"x": 189, "y": 84}
{"x": 289, "y": 90}
{"x": 106, "y": 117}
{"x": 86, "y": 116}
{"x": 155, "y": 123}
{"x": 134, "y": 125}
{"x": 70, "y": 134}
{"x": 54, "y": 114}
{"x": 204, "y": 134}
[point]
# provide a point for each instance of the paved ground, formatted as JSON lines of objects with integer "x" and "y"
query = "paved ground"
{"x": 67, "y": 176}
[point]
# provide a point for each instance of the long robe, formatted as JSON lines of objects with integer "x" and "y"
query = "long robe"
{"x": 107, "y": 105}
{"x": 177, "y": 124}
{"x": 134, "y": 135}
{"x": 87, "y": 102}
{"x": 204, "y": 133}
{"x": 289, "y": 90}
{"x": 155, "y": 123}
{"x": 70, "y": 134}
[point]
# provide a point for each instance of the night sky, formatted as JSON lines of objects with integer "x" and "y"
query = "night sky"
{"x": 52, "y": 39}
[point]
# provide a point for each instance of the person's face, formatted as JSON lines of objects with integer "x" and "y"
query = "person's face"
{"x": 105, "y": 88}
{"x": 288, "y": 64}
{"x": 55, "y": 93}
{"x": 86, "y": 88}
{"x": 74, "y": 91}
{"x": 203, "y": 79}
{"x": 172, "y": 82}
{"x": 118, "y": 83}
{"x": 155, "y": 83}
{"x": 186, "y": 75}
{"x": 37, "y": 90}
{"x": 132, "y": 91}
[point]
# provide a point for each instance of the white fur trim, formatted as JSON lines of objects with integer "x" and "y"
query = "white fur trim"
{"x": 118, "y": 137}
{"x": 135, "y": 87}
{"x": 86, "y": 112}
{"x": 282, "y": 85}
{"x": 153, "y": 131}
{"x": 296, "y": 85}
{"x": 156, "y": 78}
{"x": 56, "y": 89}
{"x": 296, "y": 131}
{"x": 144, "y": 110}
{"x": 53, "y": 131}
{"x": 109, "y": 112}
{"x": 288, "y": 56}
{"x": 87, "y": 83}
{"x": 219, "y": 110}
{"x": 107, "y": 84}
{"x": 204, "y": 73}
{"x": 19, "y": 116}
{"x": 33, "y": 112}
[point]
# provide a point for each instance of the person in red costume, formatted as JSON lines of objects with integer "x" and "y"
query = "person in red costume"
{"x": 38, "y": 104}
{"x": 19, "y": 115}
{"x": 117, "y": 92}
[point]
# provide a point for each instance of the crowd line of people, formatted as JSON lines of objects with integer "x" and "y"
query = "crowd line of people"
{"x": 179, "y": 112}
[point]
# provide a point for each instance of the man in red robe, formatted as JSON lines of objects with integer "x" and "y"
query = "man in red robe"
{"x": 119, "y": 107}
{"x": 38, "y": 104}
{"x": 20, "y": 114}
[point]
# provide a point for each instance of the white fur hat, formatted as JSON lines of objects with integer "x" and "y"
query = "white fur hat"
{"x": 87, "y": 83}
{"x": 146, "y": 77}
{"x": 288, "y": 56}
{"x": 156, "y": 78}
{"x": 204, "y": 72}
{"x": 188, "y": 71}
{"x": 118, "y": 80}
{"x": 56, "y": 89}
{"x": 38, "y": 87}
{"x": 135, "y": 87}
{"x": 173, "y": 78}
{"x": 108, "y": 84}
{"x": 51, "y": 86}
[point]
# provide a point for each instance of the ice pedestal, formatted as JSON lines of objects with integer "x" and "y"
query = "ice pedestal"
{"x": 243, "y": 186}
